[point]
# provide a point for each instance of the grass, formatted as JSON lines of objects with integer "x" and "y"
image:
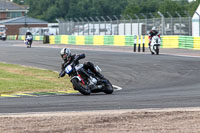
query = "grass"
{"x": 16, "y": 78}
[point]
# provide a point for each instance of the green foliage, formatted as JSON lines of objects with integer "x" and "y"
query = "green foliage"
{"x": 49, "y": 10}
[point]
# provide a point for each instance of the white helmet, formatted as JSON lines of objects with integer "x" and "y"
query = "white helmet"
{"x": 153, "y": 28}
{"x": 65, "y": 53}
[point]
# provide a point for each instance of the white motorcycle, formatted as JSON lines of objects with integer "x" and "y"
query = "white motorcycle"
{"x": 28, "y": 41}
{"x": 155, "y": 44}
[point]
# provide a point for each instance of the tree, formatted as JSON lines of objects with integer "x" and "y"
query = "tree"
{"x": 49, "y": 10}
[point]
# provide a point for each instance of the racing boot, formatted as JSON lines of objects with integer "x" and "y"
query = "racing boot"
{"x": 102, "y": 78}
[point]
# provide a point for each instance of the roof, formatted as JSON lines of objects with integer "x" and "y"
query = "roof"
{"x": 7, "y": 5}
{"x": 22, "y": 20}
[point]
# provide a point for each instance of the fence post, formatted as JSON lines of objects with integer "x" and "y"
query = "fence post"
{"x": 135, "y": 41}
{"x": 99, "y": 23}
{"x": 124, "y": 23}
{"x": 83, "y": 25}
{"x": 138, "y": 19}
{"x": 153, "y": 18}
{"x": 139, "y": 43}
{"x": 68, "y": 26}
{"x": 145, "y": 17}
{"x": 117, "y": 23}
{"x": 143, "y": 43}
{"x": 92, "y": 23}
{"x": 110, "y": 25}
{"x": 163, "y": 21}
{"x": 77, "y": 24}
{"x": 171, "y": 22}
{"x": 131, "y": 23}
{"x": 104, "y": 23}
{"x": 179, "y": 21}
{"x": 88, "y": 25}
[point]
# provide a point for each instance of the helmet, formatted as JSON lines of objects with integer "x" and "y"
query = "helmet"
{"x": 153, "y": 28}
{"x": 65, "y": 53}
{"x": 28, "y": 31}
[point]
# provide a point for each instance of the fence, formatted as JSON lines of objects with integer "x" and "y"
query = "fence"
{"x": 123, "y": 26}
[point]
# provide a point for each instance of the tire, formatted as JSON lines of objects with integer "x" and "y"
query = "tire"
{"x": 29, "y": 44}
{"x": 108, "y": 88}
{"x": 83, "y": 89}
{"x": 157, "y": 50}
{"x": 151, "y": 50}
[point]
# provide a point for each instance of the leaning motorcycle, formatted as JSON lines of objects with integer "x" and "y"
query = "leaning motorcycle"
{"x": 28, "y": 41}
{"x": 86, "y": 82}
{"x": 155, "y": 44}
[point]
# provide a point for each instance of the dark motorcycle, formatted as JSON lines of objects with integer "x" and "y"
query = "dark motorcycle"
{"x": 86, "y": 82}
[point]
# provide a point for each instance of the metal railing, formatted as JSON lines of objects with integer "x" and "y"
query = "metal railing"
{"x": 126, "y": 25}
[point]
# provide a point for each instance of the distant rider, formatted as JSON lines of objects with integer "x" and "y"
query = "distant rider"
{"x": 152, "y": 33}
{"x": 28, "y": 33}
{"x": 68, "y": 58}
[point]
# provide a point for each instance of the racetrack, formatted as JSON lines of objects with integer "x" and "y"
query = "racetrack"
{"x": 163, "y": 81}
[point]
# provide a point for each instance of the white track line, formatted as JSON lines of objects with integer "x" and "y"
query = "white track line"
{"x": 117, "y": 88}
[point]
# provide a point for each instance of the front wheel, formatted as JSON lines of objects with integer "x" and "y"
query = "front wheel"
{"x": 157, "y": 49}
{"x": 83, "y": 89}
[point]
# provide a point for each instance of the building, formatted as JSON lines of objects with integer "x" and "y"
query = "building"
{"x": 14, "y": 25}
{"x": 9, "y": 10}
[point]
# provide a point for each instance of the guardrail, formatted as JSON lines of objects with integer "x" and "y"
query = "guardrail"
{"x": 187, "y": 42}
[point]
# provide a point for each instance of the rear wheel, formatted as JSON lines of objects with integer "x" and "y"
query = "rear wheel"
{"x": 29, "y": 44}
{"x": 83, "y": 89}
{"x": 108, "y": 88}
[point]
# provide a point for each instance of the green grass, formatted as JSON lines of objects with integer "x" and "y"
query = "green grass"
{"x": 16, "y": 78}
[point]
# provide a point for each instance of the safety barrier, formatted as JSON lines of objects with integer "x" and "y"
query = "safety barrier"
{"x": 22, "y": 37}
{"x": 137, "y": 42}
{"x": 96, "y": 40}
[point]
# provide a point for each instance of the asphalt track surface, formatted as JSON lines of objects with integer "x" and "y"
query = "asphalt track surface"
{"x": 148, "y": 81}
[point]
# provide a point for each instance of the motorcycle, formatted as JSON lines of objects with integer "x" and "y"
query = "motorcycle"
{"x": 28, "y": 41}
{"x": 155, "y": 44}
{"x": 86, "y": 82}
{"x": 2, "y": 36}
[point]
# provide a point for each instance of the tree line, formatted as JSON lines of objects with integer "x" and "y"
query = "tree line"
{"x": 50, "y": 10}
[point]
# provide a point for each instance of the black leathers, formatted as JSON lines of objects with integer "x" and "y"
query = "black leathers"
{"x": 74, "y": 59}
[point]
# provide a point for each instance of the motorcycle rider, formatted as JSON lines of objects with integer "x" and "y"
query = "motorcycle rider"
{"x": 68, "y": 58}
{"x": 28, "y": 33}
{"x": 152, "y": 33}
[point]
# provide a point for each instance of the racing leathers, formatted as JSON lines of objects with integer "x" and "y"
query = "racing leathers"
{"x": 75, "y": 60}
{"x": 29, "y": 34}
{"x": 151, "y": 34}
